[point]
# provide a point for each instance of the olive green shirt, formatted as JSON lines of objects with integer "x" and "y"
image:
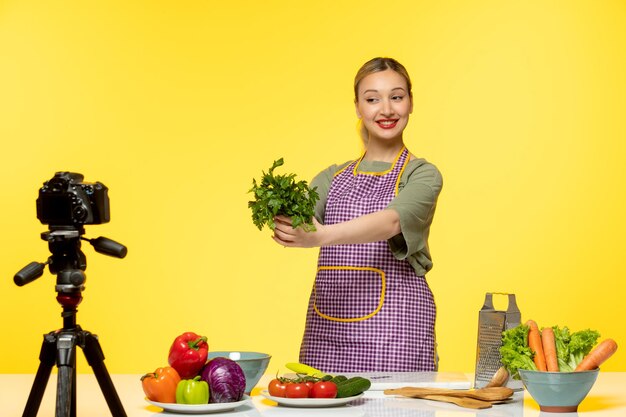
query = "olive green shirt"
{"x": 420, "y": 185}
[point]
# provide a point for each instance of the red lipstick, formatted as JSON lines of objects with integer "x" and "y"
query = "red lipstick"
{"x": 387, "y": 123}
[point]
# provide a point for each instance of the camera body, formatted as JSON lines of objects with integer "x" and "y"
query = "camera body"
{"x": 65, "y": 200}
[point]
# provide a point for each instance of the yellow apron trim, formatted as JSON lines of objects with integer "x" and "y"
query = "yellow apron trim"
{"x": 352, "y": 268}
{"x": 408, "y": 158}
{"x": 355, "y": 171}
{"x": 346, "y": 167}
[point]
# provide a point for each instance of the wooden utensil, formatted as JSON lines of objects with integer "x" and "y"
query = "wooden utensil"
{"x": 499, "y": 378}
{"x": 483, "y": 394}
{"x": 460, "y": 401}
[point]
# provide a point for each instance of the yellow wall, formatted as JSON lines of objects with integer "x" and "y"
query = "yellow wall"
{"x": 176, "y": 106}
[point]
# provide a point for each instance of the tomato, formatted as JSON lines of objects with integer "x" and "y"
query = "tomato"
{"x": 309, "y": 384}
{"x": 324, "y": 389}
{"x": 277, "y": 388}
{"x": 297, "y": 390}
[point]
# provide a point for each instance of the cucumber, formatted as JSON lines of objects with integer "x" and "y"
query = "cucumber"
{"x": 339, "y": 378}
{"x": 353, "y": 386}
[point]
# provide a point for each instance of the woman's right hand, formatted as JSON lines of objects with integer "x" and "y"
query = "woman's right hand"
{"x": 286, "y": 235}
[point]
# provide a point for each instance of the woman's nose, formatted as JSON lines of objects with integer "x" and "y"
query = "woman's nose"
{"x": 386, "y": 108}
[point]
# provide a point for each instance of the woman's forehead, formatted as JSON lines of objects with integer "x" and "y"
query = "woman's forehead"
{"x": 386, "y": 80}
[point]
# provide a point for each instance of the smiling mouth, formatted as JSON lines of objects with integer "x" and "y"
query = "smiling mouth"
{"x": 387, "y": 123}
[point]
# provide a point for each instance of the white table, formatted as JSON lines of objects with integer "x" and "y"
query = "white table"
{"x": 606, "y": 399}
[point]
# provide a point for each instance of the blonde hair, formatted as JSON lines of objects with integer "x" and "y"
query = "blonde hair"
{"x": 370, "y": 67}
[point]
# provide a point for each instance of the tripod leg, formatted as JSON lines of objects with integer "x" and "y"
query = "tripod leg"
{"x": 95, "y": 358}
{"x": 66, "y": 382}
{"x": 47, "y": 356}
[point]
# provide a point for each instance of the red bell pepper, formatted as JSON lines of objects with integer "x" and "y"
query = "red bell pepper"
{"x": 188, "y": 354}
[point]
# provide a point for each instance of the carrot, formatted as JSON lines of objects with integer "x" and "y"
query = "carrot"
{"x": 549, "y": 349}
{"x": 598, "y": 355}
{"x": 534, "y": 343}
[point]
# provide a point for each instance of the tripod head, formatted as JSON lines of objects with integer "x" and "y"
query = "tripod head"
{"x": 67, "y": 261}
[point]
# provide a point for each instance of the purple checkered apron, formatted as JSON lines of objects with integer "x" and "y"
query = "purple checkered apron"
{"x": 368, "y": 311}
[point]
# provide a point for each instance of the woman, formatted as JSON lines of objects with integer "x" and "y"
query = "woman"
{"x": 371, "y": 308}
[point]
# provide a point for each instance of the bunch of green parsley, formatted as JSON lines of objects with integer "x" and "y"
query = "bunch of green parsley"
{"x": 282, "y": 194}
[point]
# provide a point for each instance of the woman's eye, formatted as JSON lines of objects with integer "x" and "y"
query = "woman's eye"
{"x": 397, "y": 98}
{"x": 371, "y": 100}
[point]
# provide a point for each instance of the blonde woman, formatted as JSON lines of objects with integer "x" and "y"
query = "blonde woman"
{"x": 371, "y": 308}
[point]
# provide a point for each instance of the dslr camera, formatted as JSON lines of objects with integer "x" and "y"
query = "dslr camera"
{"x": 65, "y": 200}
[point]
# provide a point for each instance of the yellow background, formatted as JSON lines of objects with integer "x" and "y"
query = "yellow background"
{"x": 176, "y": 106}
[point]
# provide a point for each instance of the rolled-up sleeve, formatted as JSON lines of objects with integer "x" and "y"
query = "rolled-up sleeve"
{"x": 321, "y": 182}
{"x": 415, "y": 203}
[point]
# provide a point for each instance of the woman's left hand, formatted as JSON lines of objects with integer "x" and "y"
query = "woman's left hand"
{"x": 286, "y": 235}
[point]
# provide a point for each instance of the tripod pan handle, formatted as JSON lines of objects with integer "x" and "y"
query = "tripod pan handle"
{"x": 109, "y": 247}
{"x": 29, "y": 273}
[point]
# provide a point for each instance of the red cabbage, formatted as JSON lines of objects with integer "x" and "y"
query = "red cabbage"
{"x": 226, "y": 380}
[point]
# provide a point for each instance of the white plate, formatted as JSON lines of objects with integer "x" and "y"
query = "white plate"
{"x": 310, "y": 402}
{"x": 200, "y": 408}
{"x": 386, "y": 380}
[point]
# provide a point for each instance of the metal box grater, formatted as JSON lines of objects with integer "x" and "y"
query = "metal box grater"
{"x": 491, "y": 324}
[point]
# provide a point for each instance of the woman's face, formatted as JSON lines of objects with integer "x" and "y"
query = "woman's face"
{"x": 384, "y": 105}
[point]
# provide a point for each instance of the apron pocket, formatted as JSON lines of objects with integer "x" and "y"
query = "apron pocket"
{"x": 348, "y": 293}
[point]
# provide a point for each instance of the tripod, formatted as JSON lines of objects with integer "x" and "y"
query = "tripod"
{"x": 59, "y": 347}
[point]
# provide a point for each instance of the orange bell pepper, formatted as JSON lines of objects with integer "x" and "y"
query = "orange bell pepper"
{"x": 160, "y": 385}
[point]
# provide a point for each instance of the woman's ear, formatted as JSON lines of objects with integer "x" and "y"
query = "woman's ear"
{"x": 356, "y": 109}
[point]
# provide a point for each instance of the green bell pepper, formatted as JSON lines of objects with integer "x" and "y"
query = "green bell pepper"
{"x": 192, "y": 391}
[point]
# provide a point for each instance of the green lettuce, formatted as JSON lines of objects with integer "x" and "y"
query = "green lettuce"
{"x": 572, "y": 348}
{"x": 561, "y": 340}
{"x": 515, "y": 353}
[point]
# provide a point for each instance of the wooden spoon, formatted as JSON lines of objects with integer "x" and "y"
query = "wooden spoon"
{"x": 484, "y": 394}
{"x": 498, "y": 379}
{"x": 461, "y": 402}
